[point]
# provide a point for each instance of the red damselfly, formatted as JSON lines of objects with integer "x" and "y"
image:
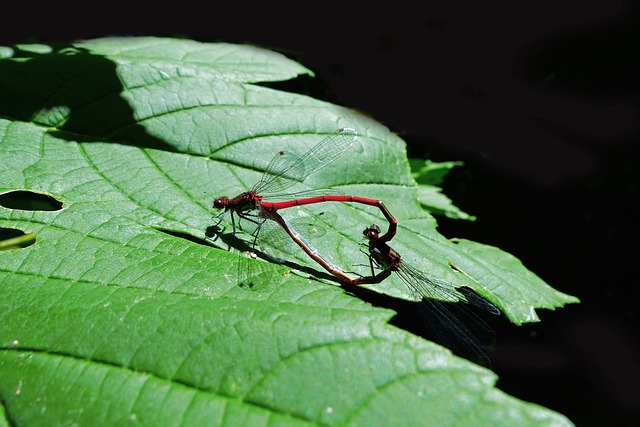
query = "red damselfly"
{"x": 430, "y": 291}
{"x": 282, "y": 173}
{"x": 272, "y": 211}
{"x": 279, "y": 176}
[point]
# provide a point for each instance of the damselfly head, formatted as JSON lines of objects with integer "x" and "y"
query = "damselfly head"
{"x": 221, "y": 202}
{"x": 372, "y": 233}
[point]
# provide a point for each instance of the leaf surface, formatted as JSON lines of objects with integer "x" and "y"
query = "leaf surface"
{"x": 123, "y": 302}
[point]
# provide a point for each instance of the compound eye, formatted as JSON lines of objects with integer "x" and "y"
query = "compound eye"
{"x": 221, "y": 202}
{"x": 371, "y": 233}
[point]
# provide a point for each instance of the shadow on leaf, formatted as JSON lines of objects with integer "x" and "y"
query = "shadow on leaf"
{"x": 74, "y": 93}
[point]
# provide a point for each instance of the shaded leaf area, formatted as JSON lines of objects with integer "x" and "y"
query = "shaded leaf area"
{"x": 135, "y": 138}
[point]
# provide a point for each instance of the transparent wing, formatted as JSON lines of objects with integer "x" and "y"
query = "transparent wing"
{"x": 447, "y": 328}
{"x": 282, "y": 172}
{"x": 272, "y": 239}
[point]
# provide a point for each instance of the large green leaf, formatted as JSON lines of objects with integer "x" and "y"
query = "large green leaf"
{"x": 123, "y": 304}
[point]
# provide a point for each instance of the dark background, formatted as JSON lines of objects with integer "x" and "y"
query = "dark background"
{"x": 540, "y": 101}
